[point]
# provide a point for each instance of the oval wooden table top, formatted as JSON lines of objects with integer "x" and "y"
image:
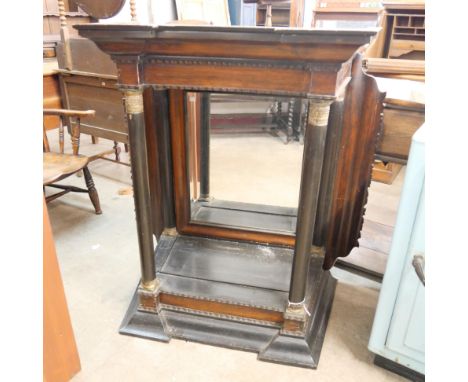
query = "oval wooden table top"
{"x": 57, "y": 166}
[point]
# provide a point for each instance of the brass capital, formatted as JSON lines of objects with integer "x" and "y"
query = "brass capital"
{"x": 133, "y": 101}
{"x": 319, "y": 110}
{"x": 150, "y": 286}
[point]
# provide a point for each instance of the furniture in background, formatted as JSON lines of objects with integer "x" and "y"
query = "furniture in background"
{"x": 398, "y": 333}
{"x": 53, "y": 10}
{"x": 58, "y": 166}
{"x": 272, "y": 12}
{"x": 403, "y": 114}
{"x": 249, "y": 281}
{"x": 395, "y": 68}
{"x": 215, "y": 12}
{"x": 87, "y": 79}
{"x": 404, "y": 30}
{"x": 51, "y": 98}
{"x": 346, "y": 14}
{"x": 60, "y": 354}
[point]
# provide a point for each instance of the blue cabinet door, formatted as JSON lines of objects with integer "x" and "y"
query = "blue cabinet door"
{"x": 398, "y": 332}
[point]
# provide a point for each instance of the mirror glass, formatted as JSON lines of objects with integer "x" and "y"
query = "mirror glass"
{"x": 244, "y": 159}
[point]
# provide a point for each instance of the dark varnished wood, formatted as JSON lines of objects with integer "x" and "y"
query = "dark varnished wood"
{"x": 153, "y": 144}
{"x": 221, "y": 308}
{"x": 361, "y": 123}
{"x": 242, "y": 263}
{"x": 182, "y": 192}
{"x": 301, "y": 62}
{"x": 316, "y": 61}
{"x": 232, "y": 286}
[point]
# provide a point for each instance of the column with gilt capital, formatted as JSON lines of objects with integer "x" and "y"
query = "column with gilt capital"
{"x": 312, "y": 162}
{"x": 133, "y": 101}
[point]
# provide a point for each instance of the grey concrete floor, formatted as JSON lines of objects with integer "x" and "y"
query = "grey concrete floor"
{"x": 98, "y": 257}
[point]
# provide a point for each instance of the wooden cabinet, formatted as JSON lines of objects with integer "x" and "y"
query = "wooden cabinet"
{"x": 405, "y": 30}
{"x": 234, "y": 273}
{"x": 91, "y": 83}
{"x": 397, "y": 336}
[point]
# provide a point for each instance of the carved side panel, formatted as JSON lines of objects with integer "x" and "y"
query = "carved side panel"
{"x": 362, "y": 110}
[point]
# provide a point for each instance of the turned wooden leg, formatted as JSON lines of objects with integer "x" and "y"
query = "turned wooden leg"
{"x": 94, "y": 139}
{"x": 126, "y": 147}
{"x": 116, "y": 151}
{"x": 93, "y": 195}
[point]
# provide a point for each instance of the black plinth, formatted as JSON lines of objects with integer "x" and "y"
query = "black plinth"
{"x": 237, "y": 274}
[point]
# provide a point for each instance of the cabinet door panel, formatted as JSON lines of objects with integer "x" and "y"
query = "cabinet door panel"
{"x": 407, "y": 331}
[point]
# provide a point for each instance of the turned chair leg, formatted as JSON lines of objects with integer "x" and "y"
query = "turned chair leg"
{"x": 117, "y": 151}
{"x": 93, "y": 195}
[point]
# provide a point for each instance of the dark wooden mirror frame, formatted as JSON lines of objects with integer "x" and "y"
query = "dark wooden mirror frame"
{"x": 184, "y": 223}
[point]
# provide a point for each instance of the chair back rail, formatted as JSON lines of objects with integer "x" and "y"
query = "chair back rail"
{"x": 74, "y": 129}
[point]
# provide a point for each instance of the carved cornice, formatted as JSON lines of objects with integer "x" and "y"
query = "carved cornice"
{"x": 237, "y": 62}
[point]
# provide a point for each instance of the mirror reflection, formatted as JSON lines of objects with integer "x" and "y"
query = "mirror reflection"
{"x": 244, "y": 160}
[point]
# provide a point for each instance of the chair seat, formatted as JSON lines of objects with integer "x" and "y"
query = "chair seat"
{"x": 57, "y": 166}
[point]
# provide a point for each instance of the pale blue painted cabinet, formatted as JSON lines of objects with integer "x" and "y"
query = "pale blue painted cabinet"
{"x": 398, "y": 331}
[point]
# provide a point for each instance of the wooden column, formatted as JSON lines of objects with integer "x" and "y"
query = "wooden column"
{"x": 141, "y": 190}
{"x": 205, "y": 147}
{"x": 312, "y": 161}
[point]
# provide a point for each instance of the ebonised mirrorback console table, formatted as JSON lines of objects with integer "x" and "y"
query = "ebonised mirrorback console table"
{"x": 233, "y": 273}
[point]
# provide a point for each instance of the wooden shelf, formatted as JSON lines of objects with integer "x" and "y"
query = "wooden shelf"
{"x": 406, "y": 32}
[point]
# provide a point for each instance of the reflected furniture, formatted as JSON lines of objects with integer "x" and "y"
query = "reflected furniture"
{"x": 237, "y": 282}
{"x": 87, "y": 79}
{"x": 398, "y": 337}
{"x": 58, "y": 166}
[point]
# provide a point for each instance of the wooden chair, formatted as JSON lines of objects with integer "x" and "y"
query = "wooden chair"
{"x": 58, "y": 166}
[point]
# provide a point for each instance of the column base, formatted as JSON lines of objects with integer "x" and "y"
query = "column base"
{"x": 248, "y": 317}
{"x": 303, "y": 349}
